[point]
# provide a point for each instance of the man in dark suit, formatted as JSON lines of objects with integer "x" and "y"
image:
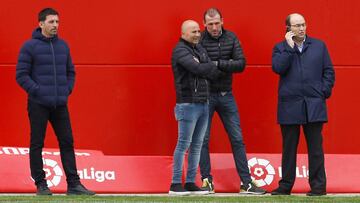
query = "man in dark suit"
{"x": 306, "y": 81}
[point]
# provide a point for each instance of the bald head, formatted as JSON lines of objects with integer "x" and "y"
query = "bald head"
{"x": 190, "y": 31}
{"x": 295, "y": 22}
{"x": 188, "y": 24}
{"x": 291, "y": 16}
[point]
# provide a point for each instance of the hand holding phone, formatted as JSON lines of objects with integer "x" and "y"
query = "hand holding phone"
{"x": 289, "y": 37}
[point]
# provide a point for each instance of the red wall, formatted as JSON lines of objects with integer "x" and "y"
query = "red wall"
{"x": 124, "y": 95}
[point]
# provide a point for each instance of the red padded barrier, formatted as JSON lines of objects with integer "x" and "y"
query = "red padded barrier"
{"x": 152, "y": 174}
{"x": 266, "y": 171}
{"x": 103, "y": 174}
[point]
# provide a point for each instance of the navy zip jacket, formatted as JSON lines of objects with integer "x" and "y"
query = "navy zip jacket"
{"x": 306, "y": 81}
{"x": 191, "y": 68}
{"x": 45, "y": 70}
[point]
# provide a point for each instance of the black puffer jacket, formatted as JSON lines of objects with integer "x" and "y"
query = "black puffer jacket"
{"x": 227, "y": 51}
{"x": 192, "y": 67}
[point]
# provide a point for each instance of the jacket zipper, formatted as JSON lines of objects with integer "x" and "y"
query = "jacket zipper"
{"x": 196, "y": 84}
{"x": 55, "y": 80}
{"x": 196, "y": 79}
{"x": 207, "y": 91}
{"x": 219, "y": 45}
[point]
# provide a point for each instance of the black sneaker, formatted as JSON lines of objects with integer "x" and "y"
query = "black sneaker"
{"x": 195, "y": 190}
{"x": 279, "y": 191}
{"x": 177, "y": 189}
{"x": 310, "y": 193}
{"x": 43, "y": 190}
{"x": 78, "y": 189}
{"x": 251, "y": 188}
{"x": 208, "y": 185}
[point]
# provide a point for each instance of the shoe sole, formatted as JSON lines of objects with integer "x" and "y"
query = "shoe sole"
{"x": 252, "y": 193}
{"x": 172, "y": 193}
{"x": 207, "y": 189}
{"x": 314, "y": 195}
{"x": 44, "y": 194}
{"x": 85, "y": 194}
{"x": 277, "y": 194}
{"x": 199, "y": 192}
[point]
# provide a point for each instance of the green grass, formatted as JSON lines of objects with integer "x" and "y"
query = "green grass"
{"x": 158, "y": 199}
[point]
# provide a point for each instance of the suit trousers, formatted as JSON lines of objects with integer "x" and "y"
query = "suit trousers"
{"x": 313, "y": 136}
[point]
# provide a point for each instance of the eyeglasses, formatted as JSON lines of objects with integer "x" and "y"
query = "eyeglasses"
{"x": 299, "y": 25}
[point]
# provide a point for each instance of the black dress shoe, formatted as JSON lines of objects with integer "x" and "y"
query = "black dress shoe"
{"x": 43, "y": 190}
{"x": 78, "y": 189}
{"x": 279, "y": 191}
{"x": 310, "y": 193}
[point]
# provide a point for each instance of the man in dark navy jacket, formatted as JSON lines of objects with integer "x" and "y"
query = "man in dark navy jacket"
{"x": 306, "y": 81}
{"x": 45, "y": 71}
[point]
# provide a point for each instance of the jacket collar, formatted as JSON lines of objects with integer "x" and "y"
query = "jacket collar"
{"x": 187, "y": 43}
{"x": 307, "y": 43}
{"x": 208, "y": 35}
{"x": 38, "y": 35}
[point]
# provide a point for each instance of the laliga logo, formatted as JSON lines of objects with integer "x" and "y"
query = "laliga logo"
{"x": 263, "y": 171}
{"x": 52, "y": 168}
{"x": 53, "y": 173}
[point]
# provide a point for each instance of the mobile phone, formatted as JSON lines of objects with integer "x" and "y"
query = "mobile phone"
{"x": 288, "y": 29}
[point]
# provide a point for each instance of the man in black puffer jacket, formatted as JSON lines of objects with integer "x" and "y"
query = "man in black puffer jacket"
{"x": 225, "y": 51}
{"x": 192, "y": 68}
{"x": 45, "y": 71}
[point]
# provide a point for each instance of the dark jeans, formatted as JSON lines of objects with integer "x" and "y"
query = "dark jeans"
{"x": 39, "y": 116}
{"x": 313, "y": 136}
{"x": 225, "y": 106}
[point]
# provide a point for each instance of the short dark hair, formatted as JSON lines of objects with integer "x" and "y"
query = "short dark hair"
{"x": 212, "y": 12}
{"x": 45, "y": 12}
{"x": 287, "y": 20}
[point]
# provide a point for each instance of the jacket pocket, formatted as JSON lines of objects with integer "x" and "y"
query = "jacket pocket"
{"x": 326, "y": 91}
{"x": 34, "y": 91}
{"x": 316, "y": 90}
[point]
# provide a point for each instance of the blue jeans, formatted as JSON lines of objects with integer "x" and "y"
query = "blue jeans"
{"x": 225, "y": 106}
{"x": 192, "y": 123}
